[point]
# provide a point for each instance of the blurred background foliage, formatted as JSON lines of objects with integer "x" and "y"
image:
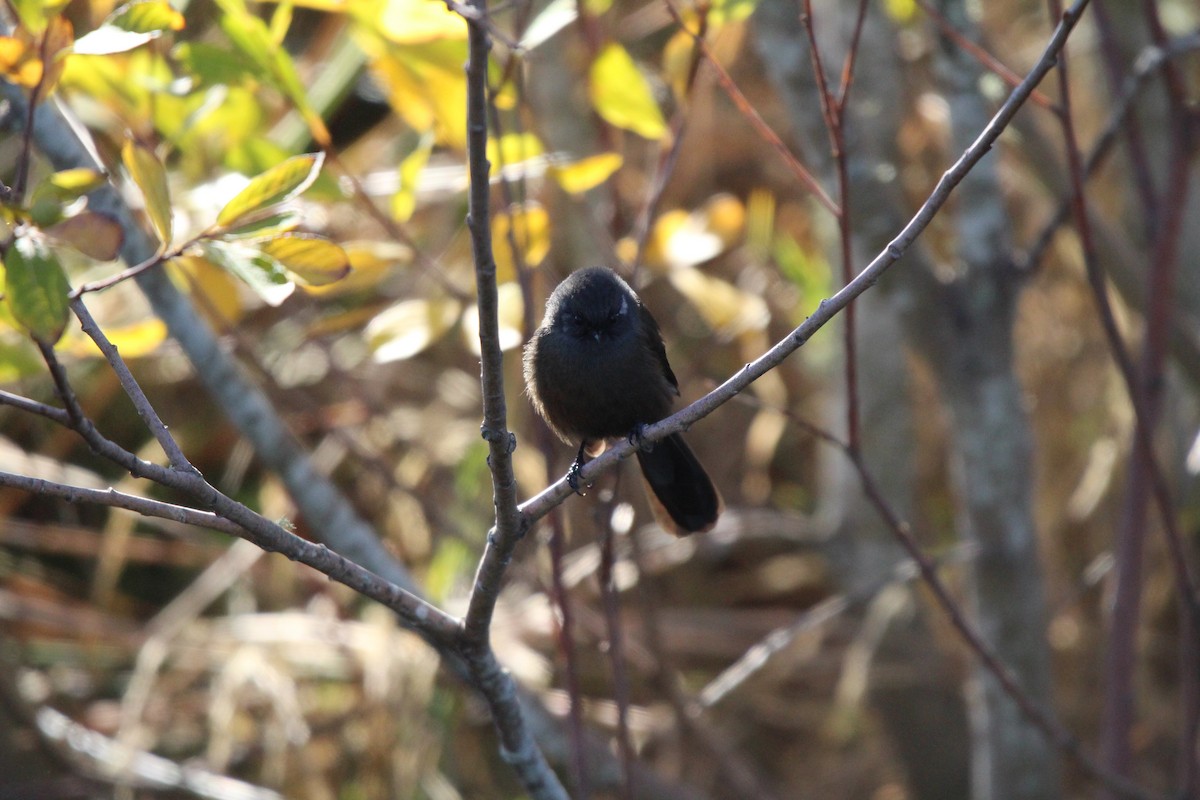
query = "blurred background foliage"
{"x": 286, "y": 680}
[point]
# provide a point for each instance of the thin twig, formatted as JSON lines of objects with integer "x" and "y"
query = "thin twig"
{"x": 833, "y": 109}
{"x": 116, "y": 499}
{"x": 971, "y": 48}
{"x": 755, "y": 119}
{"x": 133, "y": 391}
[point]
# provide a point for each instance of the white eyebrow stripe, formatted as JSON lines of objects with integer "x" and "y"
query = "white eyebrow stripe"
{"x": 624, "y": 306}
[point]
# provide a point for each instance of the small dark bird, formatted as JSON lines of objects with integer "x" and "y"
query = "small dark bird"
{"x": 597, "y": 369}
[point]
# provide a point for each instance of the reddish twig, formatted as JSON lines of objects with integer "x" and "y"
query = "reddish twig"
{"x": 747, "y": 110}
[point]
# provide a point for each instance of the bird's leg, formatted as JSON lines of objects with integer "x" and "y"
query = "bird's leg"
{"x": 576, "y": 468}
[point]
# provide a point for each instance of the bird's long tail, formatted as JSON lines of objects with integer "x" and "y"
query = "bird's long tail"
{"x": 680, "y": 491}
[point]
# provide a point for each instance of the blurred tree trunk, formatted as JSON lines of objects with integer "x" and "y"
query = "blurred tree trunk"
{"x": 963, "y": 328}
{"x": 918, "y": 700}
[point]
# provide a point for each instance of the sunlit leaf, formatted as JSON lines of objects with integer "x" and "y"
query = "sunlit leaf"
{"x": 36, "y": 288}
{"x": 253, "y": 38}
{"x": 265, "y": 227}
{"x": 514, "y": 148}
{"x": 901, "y": 11}
{"x": 407, "y": 328}
{"x": 137, "y": 340}
{"x": 370, "y": 264}
{"x": 217, "y": 289}
{"x": 727, "y": 309}
{"x": 529, "y": 227}
{"x": 260, "y": 272}
{"x": 59, "y": 37}
{"x": 315, "y": 260}
{"x": 34, "y": 15}
{"x": 426, "y": 86}
{"x": 586, "y": 173}
{"x": 404, "y": 201}
{"x": 108, "y": 40}
{"x": 20, "y": 61}
{"x": 622, "y": 95}
{"x": 278, "y": 184}
{"x": 725, "y": 11}
{"x": 511, "y": 313}
{"x": 70, "y": 184}
{"x": 143, "y": 16}
{"x": 148, "y": 174}
{"x": 95, "y": 235}
{"x": 557, "y": 15}
{"x": 419, "y": 21}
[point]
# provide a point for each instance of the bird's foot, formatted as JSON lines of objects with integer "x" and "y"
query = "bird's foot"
{"x": 574, "y": 473}
{"x": 637, "y": 439}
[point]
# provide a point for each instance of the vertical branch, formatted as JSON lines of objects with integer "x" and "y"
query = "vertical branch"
{"x": 834, "y": 110}
{"x": 517, "y": 744}
{"x": 616, "y": 655}
{"x": 503, "y": 538}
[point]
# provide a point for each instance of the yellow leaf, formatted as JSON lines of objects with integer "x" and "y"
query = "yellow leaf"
{"x": 216, "y": 288}
{"x": 316, "y": 261}
{"x": 530, "y": 228}
{"x": 901, "y": 11}
{"x": 622, "y": 95}
{"x": 278, "y": 184}
{"x": 513, "y": 148}
{"x": 60, "y": 36}
{"x": 418, "y": 21}
{"x": 407, "y": 328}
{"x": 404, "y": 201}
{"x": 426, "y": 86}
{"x": 147, "y": 172}
{"x": 370, "y": 264}
{"x": 511, "y": 313}
{"x": 20, "y": 62}
{"x": 134, "y": 341}
{"x": 586, "y": 173}
{"x": 727, "y": 309}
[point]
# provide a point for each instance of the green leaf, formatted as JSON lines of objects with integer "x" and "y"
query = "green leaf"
{"x": 315, "y": 260}
{"x": 265, "y": 227}
{"x": 279, "y": 183}
{"x": 36, "y": 288}
{"x": 257, "y": 270}
{"x": 148, "y": 173}
{"x": 622, "y": 96}
{"x": 253, "y": 38}
{"x": 146, "y": 16}
{"x": 404, "y": 202}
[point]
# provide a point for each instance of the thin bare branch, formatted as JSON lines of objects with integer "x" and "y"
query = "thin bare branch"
{"x": 116, "y": 499}
{"x": 132, "y": 390}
